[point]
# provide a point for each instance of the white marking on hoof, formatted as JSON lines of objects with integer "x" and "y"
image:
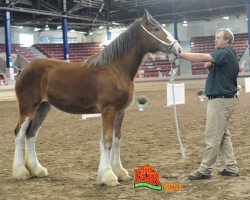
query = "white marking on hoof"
{"x": 21, "y": 173}
{"x": 108, "y": 178}
{"x": 37, "y": 170}
{"x": 121, "y": 173}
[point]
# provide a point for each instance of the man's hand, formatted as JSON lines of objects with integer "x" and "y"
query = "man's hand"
{"x": 208, "y": 65}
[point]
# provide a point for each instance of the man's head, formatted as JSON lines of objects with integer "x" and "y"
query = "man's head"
{"x": 223, "y": 38}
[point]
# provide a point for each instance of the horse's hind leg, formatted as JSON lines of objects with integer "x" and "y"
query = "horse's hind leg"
{"x": 115, "y": 159}
{"x": 19, "y": 169}
{"x": 31, "y": 161}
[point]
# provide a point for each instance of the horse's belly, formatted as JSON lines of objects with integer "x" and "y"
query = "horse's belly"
{"x": 77, "y": 109}
{"x": 74, "y": 106}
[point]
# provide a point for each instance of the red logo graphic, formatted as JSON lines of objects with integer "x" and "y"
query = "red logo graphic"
{"x": 147, "y": 176}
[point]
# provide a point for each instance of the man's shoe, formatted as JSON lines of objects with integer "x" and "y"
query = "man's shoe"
{"x": 224, "y": 172}
{"x": 198, "y": 176}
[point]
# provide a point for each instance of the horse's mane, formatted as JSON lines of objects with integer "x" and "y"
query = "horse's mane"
{"x": 117, "y": 48}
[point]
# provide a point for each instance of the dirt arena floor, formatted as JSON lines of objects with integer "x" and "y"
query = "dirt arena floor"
{"x": 69, "y": 149}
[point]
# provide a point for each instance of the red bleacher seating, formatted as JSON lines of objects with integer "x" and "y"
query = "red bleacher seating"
{"x": 157, "y": 68}
{"x": 206, "y": 45}
{"x": 78, "y": 51}
{"x": 17, "y": 49}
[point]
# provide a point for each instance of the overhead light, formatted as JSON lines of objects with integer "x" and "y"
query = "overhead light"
{"x": 37, "y": 29}
{"x": 163, "y": 25}
{"x": 20, "y": 27}
{"x": 58, "y": 27}
{"x": 185, "y": 23}
{"x": 83, "y": 32}
{"x": 72, "y": 30}
{"x": 101, "y": 27}
{"x": 90, "y": 33}
{"x": 46, "y": 27}
{"x": 115, "y": 23}
{"x": 225, "y": 17}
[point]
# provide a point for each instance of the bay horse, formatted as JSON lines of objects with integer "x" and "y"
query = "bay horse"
{"x": 104, "y": 83}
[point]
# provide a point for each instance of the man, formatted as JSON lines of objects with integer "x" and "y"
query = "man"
{"x": 221, "y": 88}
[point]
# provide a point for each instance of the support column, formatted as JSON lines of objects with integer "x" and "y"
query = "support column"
{"x": 9, "y": 65}
{"x": 175, "y": 26}
{"x": 248, "y": 26}
{"x": 108, "y": 35}
{"x": 107, "y": 15}
{"x": 65, "y": 33}
{"x": 65, "y": 39}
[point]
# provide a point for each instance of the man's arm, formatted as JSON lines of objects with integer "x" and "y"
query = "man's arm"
{"x": 198, "y": 57}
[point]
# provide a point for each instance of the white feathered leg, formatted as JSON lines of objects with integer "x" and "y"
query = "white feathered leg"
{"x": 19, "y": 169}
{"x": 116, "y": 165}
{"x": 105, "y": 174}
{"x": 32, "y": 163}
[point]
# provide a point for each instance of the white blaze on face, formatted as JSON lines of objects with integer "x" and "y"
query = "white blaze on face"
{"x": 176, "y": 46}
{"x": 169, "y": 35}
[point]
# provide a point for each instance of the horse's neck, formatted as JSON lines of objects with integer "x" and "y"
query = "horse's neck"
{"x": 131, "y": 61}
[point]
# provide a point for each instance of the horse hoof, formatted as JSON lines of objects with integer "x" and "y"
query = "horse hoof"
{"x": 43, "y": 172}
{"x": 37, "y": 170}
{"x": 112, "y": 184}
{"x": 21, "y": 173}
{"x": 125, "y": 178}
{"x": 108, "y": 178}
{"x": 122, "y": 174}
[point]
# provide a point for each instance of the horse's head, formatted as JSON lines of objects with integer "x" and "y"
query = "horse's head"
{"x": 157, "y": 38}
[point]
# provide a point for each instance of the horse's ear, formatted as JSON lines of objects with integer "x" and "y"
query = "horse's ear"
{"x": 146, "y": 17}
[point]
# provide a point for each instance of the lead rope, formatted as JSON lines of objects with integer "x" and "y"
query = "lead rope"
{"x": 172, "y": 74}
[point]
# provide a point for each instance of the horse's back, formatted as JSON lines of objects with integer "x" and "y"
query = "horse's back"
{"x": 32, "y": 80}
{"x": 40, "y": 68}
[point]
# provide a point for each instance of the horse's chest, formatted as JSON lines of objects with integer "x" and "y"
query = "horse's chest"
{"x": 123, "y": 99}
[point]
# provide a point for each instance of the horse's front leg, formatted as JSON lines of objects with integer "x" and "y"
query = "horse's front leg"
{"x": 116, "y": 164}
{"x": 105, "y": 174}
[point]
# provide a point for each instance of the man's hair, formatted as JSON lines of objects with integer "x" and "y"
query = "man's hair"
{"x": 228, "y": 35}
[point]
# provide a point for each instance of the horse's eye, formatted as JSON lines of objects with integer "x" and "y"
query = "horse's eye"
{"x": 156, "y": 29}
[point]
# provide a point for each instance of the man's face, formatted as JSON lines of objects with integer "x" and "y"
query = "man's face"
{"x": 220, "y": 42}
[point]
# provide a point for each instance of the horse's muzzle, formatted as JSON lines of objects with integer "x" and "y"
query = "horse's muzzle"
{"x": 175, "y": 49}
{"x": 179, "y": 50}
